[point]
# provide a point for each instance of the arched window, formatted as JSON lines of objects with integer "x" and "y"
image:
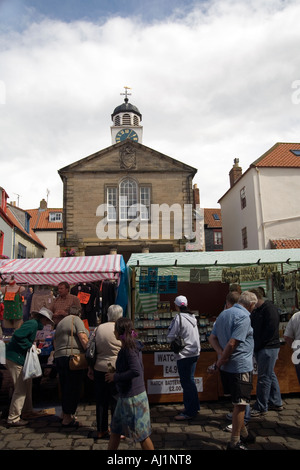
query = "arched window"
{"x": 117, "y": 121}
{"x": 128, "y": 199}
{"x": 134, "y": 201}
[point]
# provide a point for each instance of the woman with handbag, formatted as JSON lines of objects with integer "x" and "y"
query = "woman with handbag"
{"x": 184, "y": 326}
{"x": 107, "y": 348}
{"x": 70, "y": 342}
{"x": 16, "y": 351}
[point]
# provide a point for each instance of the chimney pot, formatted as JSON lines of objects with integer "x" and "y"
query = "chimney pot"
{"x": 43, "y": 204}
{"x": 235, "y": 172}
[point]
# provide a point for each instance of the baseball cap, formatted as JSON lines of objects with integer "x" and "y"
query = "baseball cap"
{"x": 181, "y": 301}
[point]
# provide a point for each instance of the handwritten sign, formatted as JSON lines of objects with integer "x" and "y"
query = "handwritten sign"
{"x": 84, "y": 297}
{"x": 9, "y": 296}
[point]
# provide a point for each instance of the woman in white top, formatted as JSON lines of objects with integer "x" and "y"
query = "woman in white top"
{"x": 107, "y": 348}
{"x": 187, "y": 358}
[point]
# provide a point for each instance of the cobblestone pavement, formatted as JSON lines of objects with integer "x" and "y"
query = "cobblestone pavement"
{"x": 274, "y": 431}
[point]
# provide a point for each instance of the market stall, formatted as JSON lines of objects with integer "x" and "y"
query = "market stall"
{"x": 38, "y": 274}
{"x": 204, "y": 278}
{"x": 52, "y": 271}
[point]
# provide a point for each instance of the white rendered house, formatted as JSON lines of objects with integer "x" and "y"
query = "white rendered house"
{"x": 261, "y": 210}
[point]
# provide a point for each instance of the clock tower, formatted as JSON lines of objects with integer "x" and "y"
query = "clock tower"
{"x": 126, "y": 122}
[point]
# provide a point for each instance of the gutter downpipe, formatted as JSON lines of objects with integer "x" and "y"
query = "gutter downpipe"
{"x": 261, "y": 224}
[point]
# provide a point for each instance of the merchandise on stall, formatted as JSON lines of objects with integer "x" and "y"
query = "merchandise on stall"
{"x": 204, "y": 278}
{"x": 89, "y": 296}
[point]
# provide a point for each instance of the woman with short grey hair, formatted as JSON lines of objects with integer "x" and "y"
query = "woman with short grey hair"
{"x": 114, "y": 312}
{"x": 107, "y": 348}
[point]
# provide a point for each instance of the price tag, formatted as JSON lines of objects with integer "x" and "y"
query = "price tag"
{"x": 83, "y": 297}
{"x": 9, "y": 296}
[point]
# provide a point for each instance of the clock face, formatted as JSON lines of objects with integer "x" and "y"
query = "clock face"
{"x": 127, "y": 134}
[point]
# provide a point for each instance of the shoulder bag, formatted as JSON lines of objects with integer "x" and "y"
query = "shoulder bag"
{"x": 178, "y": 343}
{"x": 76, "y": 361}
{"x": 91, "y": 351}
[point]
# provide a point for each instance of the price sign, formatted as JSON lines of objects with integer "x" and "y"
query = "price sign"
{"x": 83, "y": 297}
{"x": 9, "y": 296}
{"x": 168, "y": 386}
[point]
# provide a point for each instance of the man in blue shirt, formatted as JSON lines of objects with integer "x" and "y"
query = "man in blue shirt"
{"x": 232, "y": 339}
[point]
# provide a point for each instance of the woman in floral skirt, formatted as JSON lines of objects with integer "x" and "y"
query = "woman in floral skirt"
{"x": 132, "y": 415}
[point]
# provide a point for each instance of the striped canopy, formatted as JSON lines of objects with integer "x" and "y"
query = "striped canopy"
{"x": 52, "y": 271}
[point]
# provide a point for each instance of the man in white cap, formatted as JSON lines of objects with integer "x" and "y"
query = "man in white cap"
{"x": 186, "y": 358}
{"x": 16, "y": 350}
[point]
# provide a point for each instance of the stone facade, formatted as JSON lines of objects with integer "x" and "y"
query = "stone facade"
{"x": 86, "y": 184}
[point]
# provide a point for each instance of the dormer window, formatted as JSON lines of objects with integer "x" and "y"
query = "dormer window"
{"x": 27, "y": 222}
{"x": 55, "y": 217}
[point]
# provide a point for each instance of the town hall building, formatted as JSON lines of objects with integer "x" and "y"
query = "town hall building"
{"x": 129, "y": 198}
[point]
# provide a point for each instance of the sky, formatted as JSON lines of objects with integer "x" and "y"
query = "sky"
{"x": 214, "y": 80}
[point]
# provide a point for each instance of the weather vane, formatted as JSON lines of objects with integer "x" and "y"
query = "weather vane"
{"x": 126, "y": 94}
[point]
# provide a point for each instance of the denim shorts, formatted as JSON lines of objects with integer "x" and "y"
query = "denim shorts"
{"x": 238, "y": 385}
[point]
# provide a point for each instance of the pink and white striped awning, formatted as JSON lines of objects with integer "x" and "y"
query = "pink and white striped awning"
{"x": 52, "y": 271}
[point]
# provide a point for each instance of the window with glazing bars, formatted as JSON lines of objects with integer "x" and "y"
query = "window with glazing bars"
{"x": 112, "y": 203}
{"x": 145, "y": 202}
{"x": 128, "y": 199}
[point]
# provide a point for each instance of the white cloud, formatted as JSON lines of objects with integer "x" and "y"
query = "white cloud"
{"x": 212, "y": 85}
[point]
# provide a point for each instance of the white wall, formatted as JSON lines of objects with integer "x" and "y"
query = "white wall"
{"x": 234, "y": 218}
{"x": 7, "y": 233}
{"x": 49, "y": 239}
{"x": 272, "y": 210}
{"x": 280, "y": 190}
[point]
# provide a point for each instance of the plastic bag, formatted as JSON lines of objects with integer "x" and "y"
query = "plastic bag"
{"x": 32, "y": 367}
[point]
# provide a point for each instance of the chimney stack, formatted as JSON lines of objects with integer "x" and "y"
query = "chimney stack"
{"x": 235, "y": 172}
{"x": 43, "y": 204}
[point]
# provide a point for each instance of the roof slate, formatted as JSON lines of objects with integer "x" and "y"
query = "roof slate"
{"x": 40, "y": 219}
{"x": 280, "y": 155}
{"x": 209, "y": 218}
{"x": 285, "y": 244}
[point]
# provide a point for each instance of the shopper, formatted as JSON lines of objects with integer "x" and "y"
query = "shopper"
{"x": 70, "y": 380}
{"x": 187, "y": 358}
{"x": 292, "y": 337}
{"x": 132, "y": 415}
{"x": 107, "y": 349}
{"x": 16, "y": 350}
{"x": 231, "y": 299}
{"x": 265, "y": 324}
{"x": 232, "y": 339}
